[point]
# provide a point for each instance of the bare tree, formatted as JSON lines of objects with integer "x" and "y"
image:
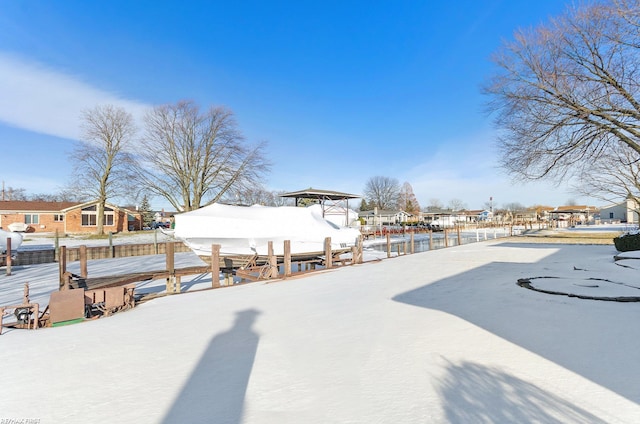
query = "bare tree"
{"x": 407, "y": 199}
{"x": 62, "y": 196}
{"x": 65, "y": 195}
{"x": 102, "y": 164}
{"x": 456, "y": 205}
{"x": 257, "y": 195}
{"x": 11, "y": 193}
{"x": 567, "y": 92}
{"x": 615, "y": 176}
{"x": 435, "y": 205}
{"x": 192, "y": 158}
{"x": 382, "y": 192}
{"x": 513, "y": 207}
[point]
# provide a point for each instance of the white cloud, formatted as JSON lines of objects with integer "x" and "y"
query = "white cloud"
{"x": 44, "y": 100}
{"x": 467, "y": 170}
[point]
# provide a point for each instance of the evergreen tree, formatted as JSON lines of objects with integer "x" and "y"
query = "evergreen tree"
{"x": 145, "y": 211}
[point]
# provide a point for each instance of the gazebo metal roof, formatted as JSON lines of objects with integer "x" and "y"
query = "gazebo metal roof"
{"x": 312, "y": 193}
{"x": 339, "y": 202}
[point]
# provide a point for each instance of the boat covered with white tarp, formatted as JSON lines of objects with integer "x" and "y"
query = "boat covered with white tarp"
{"x": 247, "y": 230}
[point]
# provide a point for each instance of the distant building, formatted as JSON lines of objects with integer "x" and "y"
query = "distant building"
{"x": 566, "y": 216}
{"x": 385, "y": 217}
{"x": 626, "y": 211}
{"x": 66, "y": 217}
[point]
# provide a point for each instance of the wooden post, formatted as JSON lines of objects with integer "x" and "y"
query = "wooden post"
{"x": 354, "y": 255}
{"x": 111, "y": 249}
{"x": 66, "y": 281}
{"x": 170, "y": 259}
{"x": 8, "y": 261}
{"x": 287, "y": 258}
{"x": 388, "y": 245}
{"x": 430, "y": 239}
{"x": 36, "y": 314}
{"x": 177, "y": 283}
{"x": 459, "y": 238}
{"x": 327, "y": 253}
{"x": 446, "y": 238}
{"x": 359, "y": 244}
{"x": 83, "y": 261}
{"x": 273, "y": 265}
{"x": 56, "y": 245}
{"x": 62, "y": 265}
{"x": 269, "y": 249}
{"x": 215, "y": 265}
{"x": 155, "y": 241}
{"x": 25, "y": 294}
{"x": 413, "y": 248}
{"x": 170, "y": 263}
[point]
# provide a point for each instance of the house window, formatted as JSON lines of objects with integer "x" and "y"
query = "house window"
{"x": 89, "y": 216}
{"x": 610, "y": 215}
{"x": 88, "y": 219}
{"x": 58, "y": 217}
{"x": 31, "y": 219}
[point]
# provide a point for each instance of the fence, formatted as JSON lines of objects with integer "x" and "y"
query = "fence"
{"x": 32, "y": 257}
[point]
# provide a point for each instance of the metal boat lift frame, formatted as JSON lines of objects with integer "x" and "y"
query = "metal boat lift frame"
{"x": 332, "y": 202}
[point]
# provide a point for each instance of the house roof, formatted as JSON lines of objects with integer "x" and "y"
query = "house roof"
{"x": 18, "y": 206}
{"x": 312, "y": 193}
{"x": 383, "y": 213}
{"x": 34, "y": 206}
{"x": 574, "y": 209}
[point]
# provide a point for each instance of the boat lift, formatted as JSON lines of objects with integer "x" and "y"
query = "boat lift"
{"x": 332, "y": 202}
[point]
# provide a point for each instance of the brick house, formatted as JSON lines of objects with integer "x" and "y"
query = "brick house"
{"x": 67, "y": 217}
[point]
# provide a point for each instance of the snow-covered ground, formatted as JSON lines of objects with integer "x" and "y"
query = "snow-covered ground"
{"x": 445, "y": 336}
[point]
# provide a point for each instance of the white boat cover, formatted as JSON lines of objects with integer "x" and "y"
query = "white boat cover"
{"x": 16, "y": 240}
{"x": 241, "y": 230}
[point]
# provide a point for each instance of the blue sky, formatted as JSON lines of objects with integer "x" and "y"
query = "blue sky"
{"x": 341, "y": 91}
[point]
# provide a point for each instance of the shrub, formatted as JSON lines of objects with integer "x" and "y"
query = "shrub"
{"x": 627, "y": 242}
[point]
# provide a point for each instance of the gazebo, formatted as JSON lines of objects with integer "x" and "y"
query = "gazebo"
{"x": 332, "y": 202}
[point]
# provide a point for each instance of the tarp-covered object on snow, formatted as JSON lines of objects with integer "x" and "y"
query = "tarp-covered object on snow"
{"x": 241, "y": 230}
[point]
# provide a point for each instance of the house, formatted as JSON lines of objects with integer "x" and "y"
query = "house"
{"x": 626, "y": 211}
{"x": 163, "y": 217}
{"x": 564, "y": 216}
{"x": 442, "y": 218}
{"x": 385, "y": 217}
{"x": 67, "y": 217}
{"x": 477, "y": 215}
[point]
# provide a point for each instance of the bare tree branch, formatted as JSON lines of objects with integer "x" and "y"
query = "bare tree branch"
{"x": 192, "y": 159}
{"x": 566, "y": 93}
{"x": 102, "y": 164}
{"x": 382, "y": 192}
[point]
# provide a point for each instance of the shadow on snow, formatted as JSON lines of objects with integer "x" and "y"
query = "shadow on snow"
{"x": 474, "y": 393}
{"x": 215, "y": 391}
{"x": 597, "y": 341}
